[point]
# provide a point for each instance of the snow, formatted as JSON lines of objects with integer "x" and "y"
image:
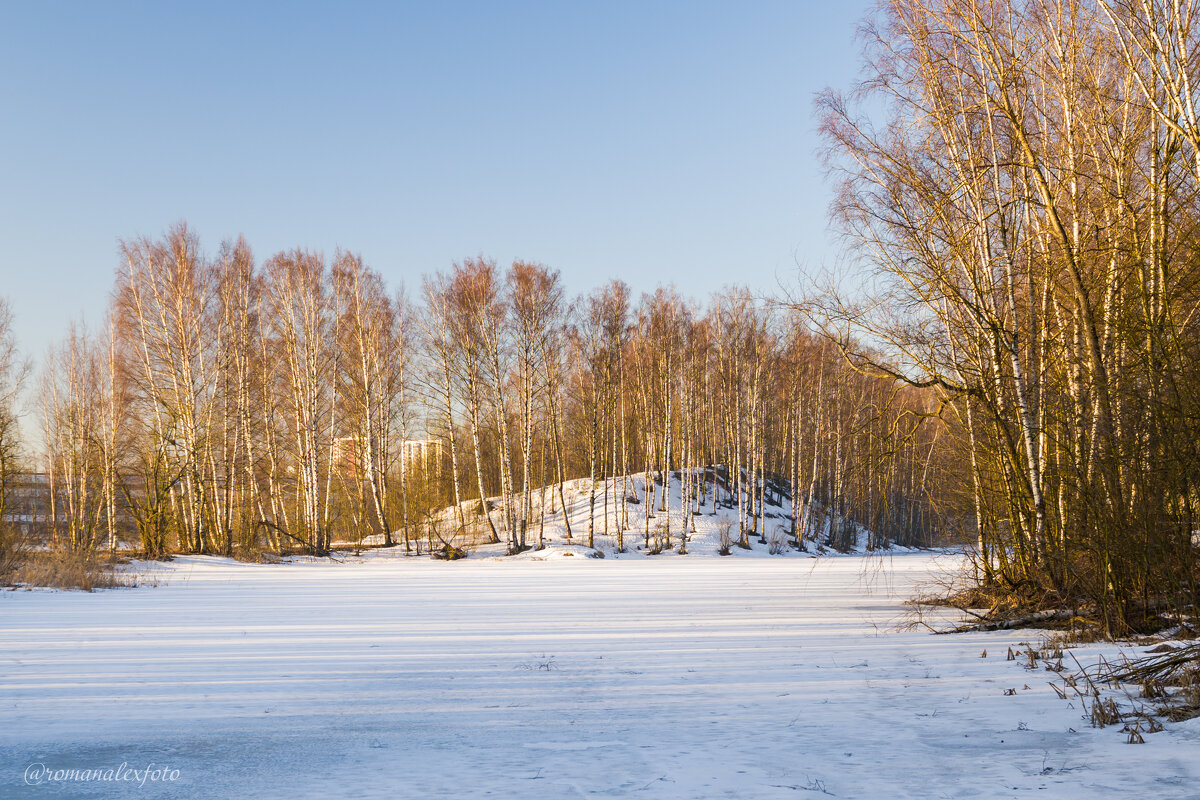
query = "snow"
{"x": 704, "y": 528}
{"x": 572, "y": 677}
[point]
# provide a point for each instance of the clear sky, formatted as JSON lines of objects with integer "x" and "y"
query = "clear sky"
{"x": 649, "y": 141}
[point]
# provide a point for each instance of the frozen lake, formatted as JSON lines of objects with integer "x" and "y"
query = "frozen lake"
{"x": 645, "y": 678}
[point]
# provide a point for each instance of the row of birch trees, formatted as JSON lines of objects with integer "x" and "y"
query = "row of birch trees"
{"x": 227, "y": 405}
{"x": 233, "y": 407}
{"x": 1021, "y": 176}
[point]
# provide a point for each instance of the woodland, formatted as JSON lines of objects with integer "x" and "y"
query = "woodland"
{"x": 1010, "y": 361}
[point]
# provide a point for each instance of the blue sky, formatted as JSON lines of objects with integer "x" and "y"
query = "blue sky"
{"x": 649, "y": 141}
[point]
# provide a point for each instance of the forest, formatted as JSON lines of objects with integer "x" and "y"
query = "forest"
{"x": 1012, "y": 362}
{"x": 237, "y": 408}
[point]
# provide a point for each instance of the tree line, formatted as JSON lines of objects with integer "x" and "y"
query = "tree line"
{"x": 1022, "y": 176}
{"x": 235, "y": 407}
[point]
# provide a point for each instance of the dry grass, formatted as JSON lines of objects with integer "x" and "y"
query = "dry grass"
{"x": 1168, "y": 674}
{"x": 61, "y": 568}
{"x": 1166, "y": 680}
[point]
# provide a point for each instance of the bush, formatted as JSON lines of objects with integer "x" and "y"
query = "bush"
{"x": 448, "y": 552}
{"x": 12, "y": 551}
{"x": 778, "y": 542}
{"x": 726, "y": 540}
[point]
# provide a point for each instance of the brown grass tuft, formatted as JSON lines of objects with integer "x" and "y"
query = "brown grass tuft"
{"x": 61, "y": 568}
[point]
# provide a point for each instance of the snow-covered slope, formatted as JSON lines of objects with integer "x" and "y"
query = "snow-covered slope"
{"x": 711, "y": 530}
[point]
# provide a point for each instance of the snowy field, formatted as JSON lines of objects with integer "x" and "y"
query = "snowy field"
{"x": 573, "y": 677}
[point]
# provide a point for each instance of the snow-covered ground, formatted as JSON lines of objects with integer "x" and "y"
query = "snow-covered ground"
{"x": 574, "y": 677}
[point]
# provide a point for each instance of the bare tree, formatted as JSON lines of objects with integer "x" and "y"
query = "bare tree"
{"x": 537, "y": 308}
{"x": 302, "y": 318}
{"x": 373, "y": 342}
{"x": 13, "y": 370}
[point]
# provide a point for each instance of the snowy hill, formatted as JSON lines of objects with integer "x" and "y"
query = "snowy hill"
{"x": 645, "y": 528}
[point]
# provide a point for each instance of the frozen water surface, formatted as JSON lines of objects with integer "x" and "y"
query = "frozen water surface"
{"x": 568, "y": 677}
